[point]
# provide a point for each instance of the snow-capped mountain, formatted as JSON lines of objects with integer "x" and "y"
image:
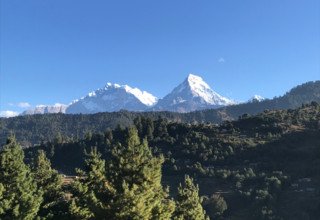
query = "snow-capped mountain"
{"x": 192, "y": 94}
{"x": 46, "y": 109}
{"x": 256, "y": 98}
{"x": 113, "y": 97}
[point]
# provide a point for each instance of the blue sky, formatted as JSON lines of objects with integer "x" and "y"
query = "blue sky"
{"x": 57, "y": 51}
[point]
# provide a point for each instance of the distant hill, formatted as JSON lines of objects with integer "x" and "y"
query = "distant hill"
{"x": 32, "y": 129}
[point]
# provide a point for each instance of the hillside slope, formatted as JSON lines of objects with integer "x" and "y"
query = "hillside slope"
{"x": 265, "y": 166}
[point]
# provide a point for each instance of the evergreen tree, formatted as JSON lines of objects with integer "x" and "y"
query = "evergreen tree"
{"x": 188, "y": 202}
{"x": 92, "y": 192}
{"x": 215, "y": 206}
{"x": 149, "y": 128}
{"x": 136, "y": 175}
{"x": 50, "y": 182}
{"x": 20, "y": 198}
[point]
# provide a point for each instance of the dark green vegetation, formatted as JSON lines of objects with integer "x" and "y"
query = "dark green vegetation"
{"x": 265, "y": 166}
{"x": 34, "y": 129}
{"x": 257, "y": 167}
{"x": 127, "y": 186}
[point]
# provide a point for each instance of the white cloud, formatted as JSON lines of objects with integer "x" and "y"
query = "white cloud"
{"x": 20, "y": 104}
{"x": 59, "y": 105}
{"x": 23, "y": 105}
{"x": 8, "y": 114}
{"x": 41, "y": 106}
{"x": 221, "y": 60}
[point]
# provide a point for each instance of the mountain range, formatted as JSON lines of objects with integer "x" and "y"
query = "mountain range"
{"x": 46, "y": 109}
{"x": 192, "y": 94}
{"x": 31, "y": 129}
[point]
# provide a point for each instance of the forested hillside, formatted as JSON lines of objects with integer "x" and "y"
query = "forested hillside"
{"x": 33, "y": 129}
{"x": 265, "y": 166}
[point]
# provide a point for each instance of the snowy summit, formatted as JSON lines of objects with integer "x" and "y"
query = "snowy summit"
{"x": 46, "y": 109}
{"x": 113, "y": 97}
{"x": 256, "y": 98}
{"x": 192, "y": 94}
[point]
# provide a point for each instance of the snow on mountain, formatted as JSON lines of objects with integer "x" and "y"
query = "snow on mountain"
{"x": 256, "y": 98}
{"x": 113, "y": 97}
{"x": 46, "y": 109}
{"x": 192, "y": 94}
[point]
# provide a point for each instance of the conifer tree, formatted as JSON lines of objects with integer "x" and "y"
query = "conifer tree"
{"x": 92, "y": 192}
{"x": 188, "y": 202}
{"x": 50, "y": 182}
{"x": 20, "y": 198}
{"x": 136, "y": 175}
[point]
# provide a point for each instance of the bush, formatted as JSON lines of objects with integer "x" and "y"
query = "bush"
{"x": 215, "y": 205}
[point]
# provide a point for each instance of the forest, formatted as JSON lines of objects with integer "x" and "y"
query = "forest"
{"x": 264, "y": 166}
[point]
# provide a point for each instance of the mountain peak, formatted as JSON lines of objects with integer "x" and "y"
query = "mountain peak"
{"x": 145, "y": 97}
{"x": 193, "y": 94}
{"x": 113, "y": 97}
{"x": 257, "y": 98}
{"x": 110, "y": 85}
{"x": 196, "y": 81}
{"x": 193, "y": 77}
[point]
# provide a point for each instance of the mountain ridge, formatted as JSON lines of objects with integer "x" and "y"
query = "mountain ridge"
{"x": 113, "y": 97}
{"x": 193, "y": 94}
{"x": 46, "y": 109}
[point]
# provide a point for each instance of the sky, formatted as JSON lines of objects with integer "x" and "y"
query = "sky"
{"x": 55, "y": 51}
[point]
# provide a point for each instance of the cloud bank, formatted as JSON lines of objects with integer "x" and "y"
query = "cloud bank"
{"x": 8, "y": 114}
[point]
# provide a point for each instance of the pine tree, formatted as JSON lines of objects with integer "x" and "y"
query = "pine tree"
{"x": 188, "y": 202}
{"x": 92, "y": 192}
{"x": 20, "y": 198}
{"x": 50, "y": 182}
{"x": 136, "y": 175}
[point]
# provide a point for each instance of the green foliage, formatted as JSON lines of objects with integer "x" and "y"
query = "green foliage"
{"x": 50, "y": 183}
{"x": 188, "y": 203}
{"x": 136, "y": 175}
{"x": 256, "y": 162}
{"x": 92, "y": 192}
{"x": 215, "y": 206}
{"x": 130, "y": 188}
{"x": 20, "y": 198}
